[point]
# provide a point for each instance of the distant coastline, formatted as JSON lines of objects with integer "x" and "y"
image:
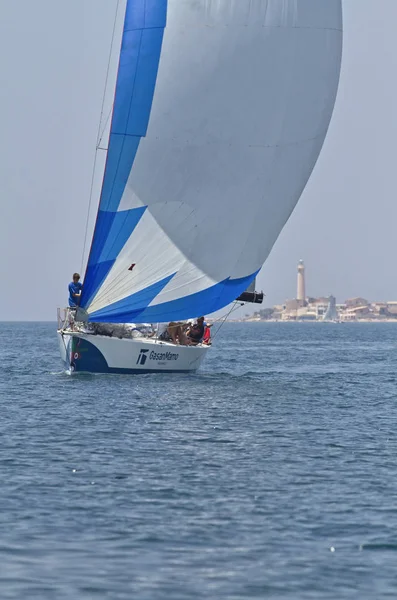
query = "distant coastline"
{"x": 305, "y": 308}
{"x": 254, "y": 320}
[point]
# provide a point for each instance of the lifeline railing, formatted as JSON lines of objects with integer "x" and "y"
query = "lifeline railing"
{"x": 65, "y": 318}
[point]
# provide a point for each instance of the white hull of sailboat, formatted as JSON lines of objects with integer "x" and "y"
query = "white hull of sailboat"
{"x": 89, "y": 353}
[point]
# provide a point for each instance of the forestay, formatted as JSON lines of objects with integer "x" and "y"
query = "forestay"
{"x": 220, "y": 112}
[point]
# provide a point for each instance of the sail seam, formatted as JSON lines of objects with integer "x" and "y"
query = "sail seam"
{"x": 127, "y": 134}
{"x": 143, "y": 28}
{"x": 220, "y": 142}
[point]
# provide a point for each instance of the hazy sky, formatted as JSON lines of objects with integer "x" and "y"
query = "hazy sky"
{"x": 53, "y": 62}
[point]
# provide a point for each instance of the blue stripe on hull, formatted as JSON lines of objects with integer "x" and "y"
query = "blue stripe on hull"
{"x": 115, "y": 371}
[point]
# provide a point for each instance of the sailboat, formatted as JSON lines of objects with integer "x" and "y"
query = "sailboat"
{"x": 331, "y": 314}
{"x": 219, "y": 115}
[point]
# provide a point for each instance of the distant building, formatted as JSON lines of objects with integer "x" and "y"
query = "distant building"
{"x": 320, "y": 300}
{"x": 306, "y": 314}
{"x": 348, "y": 316}
{"x": 391, "y": 308}
{"x": 354, "y": 302}
{"x": 360, "y": 311}
{"x": 379, "y": 309}
{"x": 321, "y": 309}
{"x": 291, "y": 305}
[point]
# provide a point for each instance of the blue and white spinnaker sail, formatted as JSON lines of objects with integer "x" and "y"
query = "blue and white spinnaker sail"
{"x": 220, "y": 112}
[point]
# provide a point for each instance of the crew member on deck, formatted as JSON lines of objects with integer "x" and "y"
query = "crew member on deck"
{"x": 196, "y": 332}
{"x": 207, "y": 335}
{"x": 75, "y": 291}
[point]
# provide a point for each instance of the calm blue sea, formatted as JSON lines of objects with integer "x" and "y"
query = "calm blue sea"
{"x": 272, "y": 473}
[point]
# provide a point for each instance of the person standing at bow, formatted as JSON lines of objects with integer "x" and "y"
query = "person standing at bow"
{"x": 75, "y": 288}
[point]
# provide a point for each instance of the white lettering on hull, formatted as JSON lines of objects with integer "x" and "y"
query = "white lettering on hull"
{"x": 144, "y": 355}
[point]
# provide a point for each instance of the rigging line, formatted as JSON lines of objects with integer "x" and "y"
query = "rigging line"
{"x": 99, "y": 136}
{"x": 234, "y": 307}
{"x": 107, "y": 73}
{"x": 104, "y": 128}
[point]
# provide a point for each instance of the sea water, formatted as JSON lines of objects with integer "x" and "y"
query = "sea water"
{"x": 271, "y": 473}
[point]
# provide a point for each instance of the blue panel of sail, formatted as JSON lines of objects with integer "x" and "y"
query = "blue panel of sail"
{"x": 140, "y": 56}
{"x": 121, "y": 156}
{"x": 135, "y": 307}
{"x": 124, "y": 310}
{"x": 139, "y": 60}
{"x": 95, "y": 275}
{"x": 118, "y": 226}
{"x": 114, "y": 228}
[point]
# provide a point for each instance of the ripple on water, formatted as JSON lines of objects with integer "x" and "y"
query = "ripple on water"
{"x": 271, "y": 473}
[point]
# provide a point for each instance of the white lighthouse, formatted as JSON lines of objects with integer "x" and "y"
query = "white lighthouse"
{"x": 301, "y": 290}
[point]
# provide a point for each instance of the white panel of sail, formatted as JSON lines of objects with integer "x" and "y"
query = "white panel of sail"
{"x": 220, "y": 113}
